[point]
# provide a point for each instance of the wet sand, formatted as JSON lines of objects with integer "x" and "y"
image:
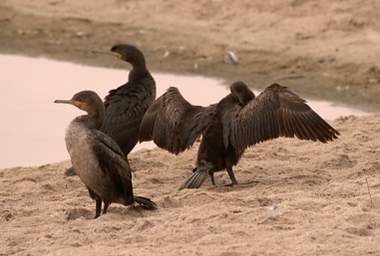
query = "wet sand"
{"x": 33, "y": 121}
{"x": 325, "y": 49}
{"x": 320, "y": 190}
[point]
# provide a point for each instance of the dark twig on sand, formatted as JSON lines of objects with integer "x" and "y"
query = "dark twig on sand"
{"x": 369, "y": 192}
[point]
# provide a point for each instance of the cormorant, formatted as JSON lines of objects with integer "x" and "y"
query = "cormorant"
{"x": 238, "y": 121}
{"x": 97, "y": 159}
{"x": 126, "y": 105}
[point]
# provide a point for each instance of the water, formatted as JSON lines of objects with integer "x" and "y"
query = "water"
{"x": 32, "y": 127}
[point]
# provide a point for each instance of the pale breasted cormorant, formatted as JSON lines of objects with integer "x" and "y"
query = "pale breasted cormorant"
{"x": 126, "y": 105}
{"x": 97, "y": 159}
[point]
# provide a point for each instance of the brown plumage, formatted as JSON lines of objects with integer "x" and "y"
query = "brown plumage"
{"x": 173, "y": 123}
{"x": 125, "y": 106}
{"x": 238, "y": 121}
{"x": 97, "y": 159}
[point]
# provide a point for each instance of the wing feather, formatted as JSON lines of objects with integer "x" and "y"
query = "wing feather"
{"x": 112, "y": 161}
{"x": 173, "y": 123}
{"x": 277, "y": 112}
{"x": 125, "y": 107}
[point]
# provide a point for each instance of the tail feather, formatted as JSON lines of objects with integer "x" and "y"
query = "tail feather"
{"x": 145, "y": 203}
{"x": 195, "y": 180}
{"x": 70, "y": 172}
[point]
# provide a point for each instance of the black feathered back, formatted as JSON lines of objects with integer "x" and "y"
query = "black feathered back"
{"x": 173, "y": 123}
{"x": 126, "y": 105}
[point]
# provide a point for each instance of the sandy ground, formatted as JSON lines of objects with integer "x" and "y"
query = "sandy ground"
{"x": 323, "y": 49}
{"x": 320, "y": 190}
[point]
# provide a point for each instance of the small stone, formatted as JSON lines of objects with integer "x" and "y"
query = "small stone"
{"x": 231, "y": 58}
{"x": 166, "y": 54}
{"x": 21, "y": 32}
{"x": 274, "y": 207}
{"x": 80, "y": 34}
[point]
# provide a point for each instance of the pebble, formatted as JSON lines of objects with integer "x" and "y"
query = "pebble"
{"x": 231, "y": 58}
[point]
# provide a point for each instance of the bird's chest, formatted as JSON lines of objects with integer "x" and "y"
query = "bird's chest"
{"x": 80, "y": 151}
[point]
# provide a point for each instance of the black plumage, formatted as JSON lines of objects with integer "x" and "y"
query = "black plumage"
{"x": 97, "y": 159}
{"x": 173, "y": 123}
{"x": 238, "y": 121}
{"x": 126, "y": 105}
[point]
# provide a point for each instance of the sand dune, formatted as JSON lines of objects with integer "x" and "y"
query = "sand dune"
{"x": 320, "y": 191}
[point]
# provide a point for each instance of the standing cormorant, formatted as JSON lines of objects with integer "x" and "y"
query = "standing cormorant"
{"x": 126, "y": 105}
{"x": 97, "y": 159}
{"x": 238, "y": 121}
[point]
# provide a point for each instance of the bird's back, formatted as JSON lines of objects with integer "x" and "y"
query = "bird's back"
{"x": 212, "y": 148}
{"x": 125, "y": 108}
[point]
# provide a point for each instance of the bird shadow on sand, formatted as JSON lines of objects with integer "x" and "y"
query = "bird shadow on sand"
{"x": 77, "y": 213}
{"x": 122, "y": 212}
{"x": 240, "y": 186}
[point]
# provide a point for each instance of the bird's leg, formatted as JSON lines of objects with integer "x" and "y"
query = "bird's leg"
{"x": 98, "y": 207}
{"x": 92, "y": 194}
{"x": 232, "y": 177}
{"x": 212, "y": 178}
{"x": 105, "y": 207}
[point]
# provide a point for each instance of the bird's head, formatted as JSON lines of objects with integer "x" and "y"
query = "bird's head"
{"x": 241, "y": 91}
{"x": 88, "y": 101}
{"x": 128, "y": 53}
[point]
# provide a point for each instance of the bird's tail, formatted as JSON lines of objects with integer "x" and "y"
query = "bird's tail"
{"x": 145, "y": 203}
{"x": 195, "y": 180}
{"x": 70, "y": 172}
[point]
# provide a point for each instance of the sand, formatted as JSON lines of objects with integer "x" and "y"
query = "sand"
{"x": 296, "y": 198}
{"x": 300, "y": 198}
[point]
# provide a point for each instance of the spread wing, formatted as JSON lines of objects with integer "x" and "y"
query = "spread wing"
{"x": 173, "y": 123}
{"x": 277, "y": 112}
{"x": 125, "y": 108}
{"x": 113, "y": 163}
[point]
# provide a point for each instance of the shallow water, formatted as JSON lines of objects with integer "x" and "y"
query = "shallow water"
{"x": 32, "y": 127}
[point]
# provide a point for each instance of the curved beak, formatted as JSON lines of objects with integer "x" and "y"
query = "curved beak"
{"x": 72, "y": 102}
{"x": 115, "y": 54}
{"x": 78, "y": 104}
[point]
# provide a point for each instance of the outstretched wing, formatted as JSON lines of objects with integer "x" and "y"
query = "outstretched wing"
{"x": 173, "y": 123}
{"x": 125, "y": 108}
{"x": 277, "y": 112}
{"x": 113, "y": 162}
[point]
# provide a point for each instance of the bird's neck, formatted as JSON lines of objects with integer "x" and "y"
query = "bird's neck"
{"x": 93, "y": 120}
{"x": 244, "y": 98}
{"x": 139, "y": 70}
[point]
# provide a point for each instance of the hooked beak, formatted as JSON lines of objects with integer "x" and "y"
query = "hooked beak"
{"x": 72, "y": 102}
{"x": 76, "y": 103}
{"x": 115, "y": 54}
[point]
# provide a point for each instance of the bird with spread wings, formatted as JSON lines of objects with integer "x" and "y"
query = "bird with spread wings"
{"x": 236, "y": 122}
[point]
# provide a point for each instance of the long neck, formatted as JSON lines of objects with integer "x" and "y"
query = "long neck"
{"x": 94, "y": 119}
{"x": 139, "y": 70}
{"x": 244, "y": 97}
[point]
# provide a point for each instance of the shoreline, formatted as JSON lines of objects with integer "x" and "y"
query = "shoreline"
{"x": 71, "y": 38}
